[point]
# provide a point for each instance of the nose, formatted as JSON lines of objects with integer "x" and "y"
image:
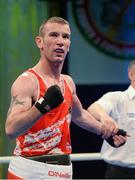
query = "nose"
{"x": 60, "y": 41}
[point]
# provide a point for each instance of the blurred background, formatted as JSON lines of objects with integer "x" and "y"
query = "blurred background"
{"x": 103, "y": 43}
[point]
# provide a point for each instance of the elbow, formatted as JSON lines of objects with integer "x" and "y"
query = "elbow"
{"x": 10, "y": 128}
{"x": 10, "y": 133}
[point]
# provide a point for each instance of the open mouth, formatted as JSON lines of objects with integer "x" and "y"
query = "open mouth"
{"x": 59, "y": 51}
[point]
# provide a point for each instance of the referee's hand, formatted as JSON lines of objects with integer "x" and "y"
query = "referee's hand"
{"x": 118, "y": 139}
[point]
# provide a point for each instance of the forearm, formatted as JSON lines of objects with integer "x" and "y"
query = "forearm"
{"x": 97, "y": 111}
{"x": 88, "y": 122}
{"x": 22, "y": 116}
{"x": 19, "y": 123}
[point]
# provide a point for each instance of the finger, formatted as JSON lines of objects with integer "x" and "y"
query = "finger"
{"x": 106, "y": 132}
{"x": 115, "y": 130}
{"x": 118, "y": 140}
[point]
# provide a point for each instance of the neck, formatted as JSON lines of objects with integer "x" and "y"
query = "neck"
{"x": 50, "y": 69}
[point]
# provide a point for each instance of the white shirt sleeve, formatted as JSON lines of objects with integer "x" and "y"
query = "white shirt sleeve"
{"x": 109, "y": 101}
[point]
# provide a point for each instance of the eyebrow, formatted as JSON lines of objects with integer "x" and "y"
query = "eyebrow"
{"x": 55, "y": 32}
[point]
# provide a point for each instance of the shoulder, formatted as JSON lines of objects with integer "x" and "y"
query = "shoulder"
{"x": 68, "y": 78}
{"x": 25, "y": 82}
{"x": 70, "y": 82}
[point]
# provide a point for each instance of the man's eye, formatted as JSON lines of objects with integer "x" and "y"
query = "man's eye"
{"x": 54, "y": 35}
{"x": 66, "y": 37}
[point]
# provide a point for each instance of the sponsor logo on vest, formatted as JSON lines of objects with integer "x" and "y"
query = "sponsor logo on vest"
{"x": 59, "y": 174}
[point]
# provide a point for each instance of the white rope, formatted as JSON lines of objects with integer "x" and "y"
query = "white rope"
{"x": 85, "y": 157}
{"x": 74, "y": 157}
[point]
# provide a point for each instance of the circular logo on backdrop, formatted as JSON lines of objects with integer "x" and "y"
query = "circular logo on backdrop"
{"x": 109, "y": 25}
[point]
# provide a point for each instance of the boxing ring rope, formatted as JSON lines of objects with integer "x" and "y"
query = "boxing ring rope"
{"x": 74, "y": 157}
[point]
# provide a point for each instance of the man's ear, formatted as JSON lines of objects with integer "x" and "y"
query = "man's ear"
{"x": 39, "y": 42}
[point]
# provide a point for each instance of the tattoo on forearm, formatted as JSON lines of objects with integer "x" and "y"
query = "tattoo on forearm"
{"x": 15, "y": 101}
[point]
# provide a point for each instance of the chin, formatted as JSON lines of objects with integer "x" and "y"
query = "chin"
{"x": 59, "y": 60}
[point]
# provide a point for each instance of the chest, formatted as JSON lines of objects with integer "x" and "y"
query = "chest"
{"x": 44, "y": 83}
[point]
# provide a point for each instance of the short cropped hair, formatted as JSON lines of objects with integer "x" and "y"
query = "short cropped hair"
{"x": 131, "y": 64}
{"x": 54, "y": 19}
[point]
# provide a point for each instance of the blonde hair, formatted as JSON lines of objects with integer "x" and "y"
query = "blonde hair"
{"x": 54, "y": 19}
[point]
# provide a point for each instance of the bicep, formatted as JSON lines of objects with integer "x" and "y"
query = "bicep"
{"x": 19, "y": 103}
{"x": 21, "y": 96}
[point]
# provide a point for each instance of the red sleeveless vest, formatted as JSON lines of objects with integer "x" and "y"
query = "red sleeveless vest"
{"x": 51, "y": 133}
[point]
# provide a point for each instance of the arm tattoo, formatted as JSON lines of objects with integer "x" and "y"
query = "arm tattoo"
{"x": 14, "y": 102}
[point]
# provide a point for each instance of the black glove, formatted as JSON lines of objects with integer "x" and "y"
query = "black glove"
{"x": 111, "y": 141}
{"x": 52, "y": 98}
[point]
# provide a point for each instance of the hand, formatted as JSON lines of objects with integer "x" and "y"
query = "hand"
{"x": 52, "y": 98}
{"x": 118, "y": 139}
{"x": 109, "y": 127}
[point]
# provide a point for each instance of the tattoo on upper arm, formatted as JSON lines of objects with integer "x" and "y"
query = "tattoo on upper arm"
{"x": 15, "y": 101}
